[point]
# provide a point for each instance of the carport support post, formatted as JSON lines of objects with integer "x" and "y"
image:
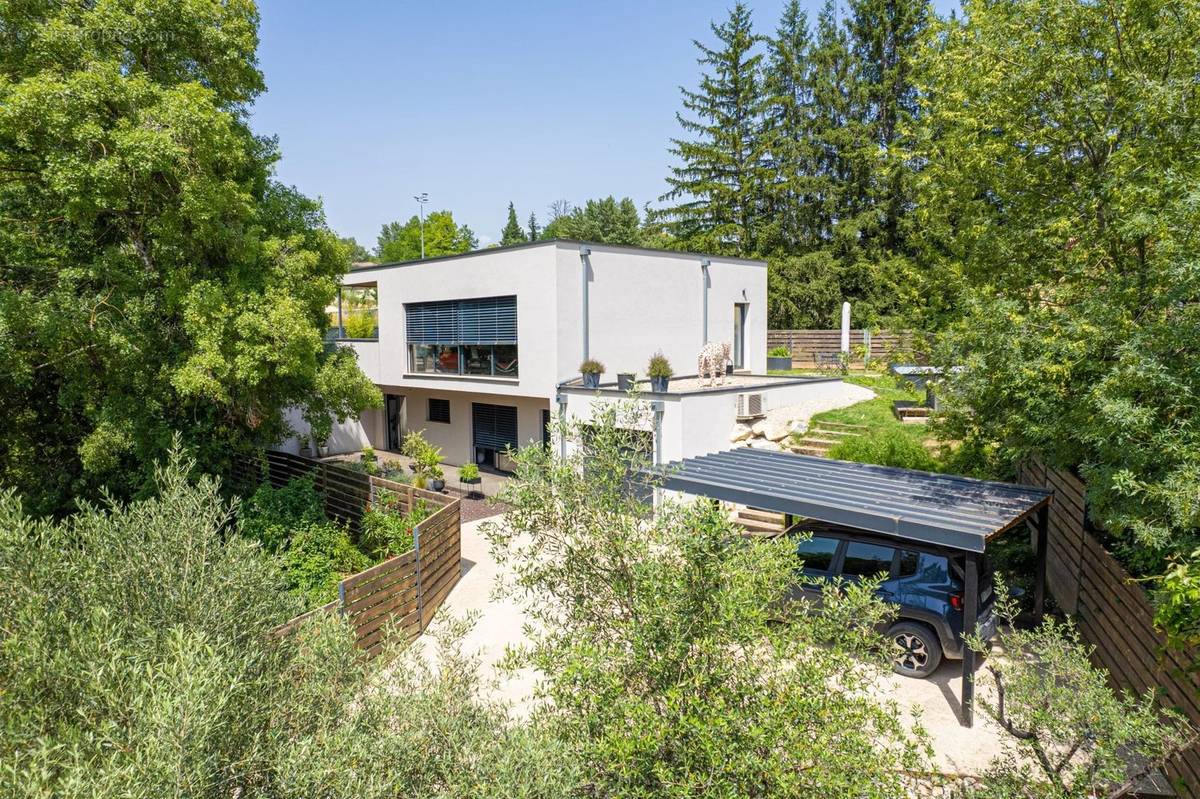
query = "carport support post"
{"x": 970, "y": 616}
{"x": 1039, "y": 580}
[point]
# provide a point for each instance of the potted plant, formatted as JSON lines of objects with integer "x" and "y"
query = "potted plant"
{"x": 779, "y": 359}
{"x": 468, "y": 473}
{"x": 659, "y": 370}
{"x": 414, "y": 447}
{"x": 591, "y": 369}
{"x": 306, "y": 450}
{"x": 437, "y": 480}
{"x": 626, "y": 380}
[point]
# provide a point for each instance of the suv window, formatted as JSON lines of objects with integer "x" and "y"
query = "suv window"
{"x": 867, "y": 560}
{"x": 817, "y": 553}
{"x": 908, "y": 561}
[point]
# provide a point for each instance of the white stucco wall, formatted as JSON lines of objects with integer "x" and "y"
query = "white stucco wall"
{"x": 641, "y": 302}
{"x": 455, "y": 438}
{"x": 700, "y": 423}
{"x": 529, "y": 273}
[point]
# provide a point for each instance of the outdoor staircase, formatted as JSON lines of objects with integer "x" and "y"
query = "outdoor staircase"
{"x": 759, "y": 522}
{"x": 823, "y": 436}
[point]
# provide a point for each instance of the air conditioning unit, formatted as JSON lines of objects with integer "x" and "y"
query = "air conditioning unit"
{"x": 749, "y": 406}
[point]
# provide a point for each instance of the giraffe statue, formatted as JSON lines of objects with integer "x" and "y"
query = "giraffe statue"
{"x": 712, "y": 360}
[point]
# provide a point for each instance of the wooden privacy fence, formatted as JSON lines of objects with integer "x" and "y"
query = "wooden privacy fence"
{"x": 402, "y": 593}
{"x": 806, "y": 345}
{"x": 1113, "y": 613}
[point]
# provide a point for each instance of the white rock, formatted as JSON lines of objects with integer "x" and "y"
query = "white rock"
{"x": 776, "y": 428}
{"x": 759, "y": 427}
{"x": 740, "y": 432}
{"x": 762, "y": 443}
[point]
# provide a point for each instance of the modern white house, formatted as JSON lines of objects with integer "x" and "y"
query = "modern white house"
{"x": 478, "y": 350}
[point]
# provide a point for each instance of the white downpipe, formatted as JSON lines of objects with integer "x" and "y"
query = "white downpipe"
{"x": 704, "y": 264}
{"x": 585, "y": 267}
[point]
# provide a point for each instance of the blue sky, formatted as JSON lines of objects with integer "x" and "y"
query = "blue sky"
{"x": 477, "y": 103}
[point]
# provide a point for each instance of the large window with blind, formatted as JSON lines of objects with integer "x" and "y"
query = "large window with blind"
{"x": 463, "y": 337}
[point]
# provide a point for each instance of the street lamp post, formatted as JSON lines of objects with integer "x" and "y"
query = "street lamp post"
{"x": 421, "y": 199}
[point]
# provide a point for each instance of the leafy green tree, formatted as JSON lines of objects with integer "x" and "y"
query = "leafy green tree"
{"x": 402, "y": 242}
{"x": 1059, "y": 234}
{"x": 155, "y": 672}
{"x": 357, "y": 252}
{"x": 153, "y": 276}
{"x": 534, "y": 232}
{"x": 719, "y": 181}
{"x": 513, "y": 233}
{"x": 673, "y": 665}
{"x": 605, "y": 221}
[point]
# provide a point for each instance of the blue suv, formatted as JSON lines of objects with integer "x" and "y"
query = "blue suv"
{"x": 925, "y": 584}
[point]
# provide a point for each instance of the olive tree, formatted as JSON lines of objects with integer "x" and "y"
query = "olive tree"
{"x": 139, "y": 659}
{"x": 1069, "y": 734}
{"x": 672, "y": 663}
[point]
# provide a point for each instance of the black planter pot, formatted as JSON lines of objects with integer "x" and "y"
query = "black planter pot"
{"x": 728, "y": 369}
{"x": 437, "y": 485}
{"x": 591, "y": 380}
{"x": 774, "y": 363}
{"x": 659, "y": 384}
{"x": 625, "y": 380}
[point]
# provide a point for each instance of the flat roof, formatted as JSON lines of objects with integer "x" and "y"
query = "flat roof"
{"x": 558, "y": 243}
{"x": 945, "y": 510}
{"x": 738, "y": 382}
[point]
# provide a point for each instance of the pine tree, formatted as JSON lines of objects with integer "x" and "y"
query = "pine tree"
{"x": 718, "y": 185}
{"x": 513, "y": 233}
{"x": 535, "y": 232}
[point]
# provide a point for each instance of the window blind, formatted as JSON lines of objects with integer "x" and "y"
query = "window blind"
{"x": 487, "y": 320}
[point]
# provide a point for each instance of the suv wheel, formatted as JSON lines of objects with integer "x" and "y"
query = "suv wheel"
{"x": 916, "y": 650}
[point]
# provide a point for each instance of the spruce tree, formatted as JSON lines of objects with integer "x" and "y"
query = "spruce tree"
{"x": 718, "y": 184}
{"x": 513, "y": 233}
{"x": 535, "y": 232}
{"x": 793, "y": 156}
{"x": 885, "y": 38}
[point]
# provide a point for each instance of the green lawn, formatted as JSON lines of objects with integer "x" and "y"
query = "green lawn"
{"x": 886, "y": 440}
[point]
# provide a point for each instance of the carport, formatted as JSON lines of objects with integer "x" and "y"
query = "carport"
{"x": 957, "y": 513}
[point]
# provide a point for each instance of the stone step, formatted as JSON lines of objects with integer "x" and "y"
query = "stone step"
{"x": 816, "y": 441}
{"x": 803, "y": 450}
{"x": 843, "y": 426}
{"x": 760, "y": 528}
{"x": 760, "y": 515}
{"x": 823, "y": 431}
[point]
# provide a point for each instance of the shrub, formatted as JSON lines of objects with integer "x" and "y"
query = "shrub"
{"x": 659, "y": 366}
{"x": 885, "y": 447}
{"x": 468, "y": 471}
{"x": 317, "y": 558}
{"x": 591, "y": 367}
{"x": 779, "y": 352}
{"x": 387, "y": 532}
{"x": 271, "y": 514}
{"x": 138, "y": 662}
{"x": 1071, "y": 735}
{"x": 360, "y": 325}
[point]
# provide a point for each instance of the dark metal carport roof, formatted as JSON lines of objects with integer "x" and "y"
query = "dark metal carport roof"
{"x": 945, "y": 510}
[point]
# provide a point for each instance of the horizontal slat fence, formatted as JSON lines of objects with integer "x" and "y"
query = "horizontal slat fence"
{"x": 399, "y": 595}
{"x": 805, "y": 345}
{"x": 1113, "y": 613}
